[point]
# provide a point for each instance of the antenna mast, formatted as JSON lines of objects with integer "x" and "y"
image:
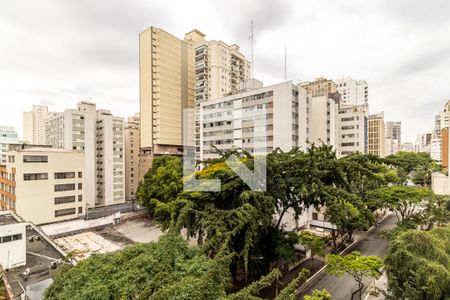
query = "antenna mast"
{"x": 285, "y": 63}
{"x": 252, "y": 42}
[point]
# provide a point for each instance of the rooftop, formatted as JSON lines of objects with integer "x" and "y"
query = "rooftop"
{"x": 40, "y": 255}
{"x": 7, "y": 218}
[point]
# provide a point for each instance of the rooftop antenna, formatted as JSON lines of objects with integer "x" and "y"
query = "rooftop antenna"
{"x": 285, "y": 62}
{"x": 252, "y": 42}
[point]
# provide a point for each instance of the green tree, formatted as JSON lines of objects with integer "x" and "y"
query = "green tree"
{"x": 418, "y": 264}
{"x": 318, "y": 295}
{"x": 163, "y": 182}
{"x": 407, "y": 162}
{"x": 347, "y": 218}
{"x": 314, "y": 243}
{"x": 167, "y": 269}
{"x": 356, "y": 265}
{"x": 403, "y": 200}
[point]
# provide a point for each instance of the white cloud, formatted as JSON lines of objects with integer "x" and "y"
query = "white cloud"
{"x": 59, "y": 52}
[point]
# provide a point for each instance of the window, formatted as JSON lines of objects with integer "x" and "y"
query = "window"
{"x": 315, "y": 217}
{"x": 64, "y": 175}
{"x": 35, "y": 158}
{"x": 17, "y": 237}
{"x": 66, "y": 199}
{"x": 7, "y": 239}
{"x": 65, "y": 212}
{"x": 80, "y": 210}
{"x": 80, "y": 174}
{"x": 80, "y": 198}
{"x": 64, "y": 187}
{"x": 35, "y": 176}
{"x": 80, "y": 186}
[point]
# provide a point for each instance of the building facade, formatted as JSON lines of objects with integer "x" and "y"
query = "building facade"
{"x": 219, "y": 68}
{"x": 394, "y": 131}
{"x": 320, "y": 87}
{"x": 257, "y": 120}
{"x": 43, "y": 184}
{"x": 324, "y": 119}
{"x": 131, "y": 133}
{"x": 353, "y": 92}
{"x": 99, "y": 135}
{"x": 167, "y": 79}
{"x": 12, "y": 241}
{"x": 8, "y": 136}
{"x": 352, "y": 129}
{"x": 376, "y": 135}
{"x": 34, "y": 125}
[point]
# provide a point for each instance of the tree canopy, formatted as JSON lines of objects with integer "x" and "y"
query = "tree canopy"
{"x": 356, "y": 265}
{"x": 418, "y": 264}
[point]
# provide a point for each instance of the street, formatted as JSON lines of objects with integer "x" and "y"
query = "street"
{"x": 370, "y": 244}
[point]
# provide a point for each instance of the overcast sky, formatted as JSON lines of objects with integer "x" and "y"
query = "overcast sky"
{"x": 59, "y": 52}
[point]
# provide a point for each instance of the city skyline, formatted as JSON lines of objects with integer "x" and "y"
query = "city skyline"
{"x": 93, "y": 55}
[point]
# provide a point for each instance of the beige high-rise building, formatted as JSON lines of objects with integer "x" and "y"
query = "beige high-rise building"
{"x": 219, "y": 68}
{"x": 320, "y": 87}
{"x": 376, "y": 135}
{"x": 131, "y": 149}
{"x": 167, "y": 78}
{"x": 34, "y": 125}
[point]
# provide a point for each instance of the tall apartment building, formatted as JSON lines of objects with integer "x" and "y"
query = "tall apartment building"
{"x": 394, "y": 131}
{"x": 256, "y": 120}
{"x": 422, "y": 144}
{"x": 99, "y": 135}
{"x": 8, "y": 136}
{"x": 219, "y": 68}
{"x": 34, "y": 125}
{"x": 43, "y": 184}
{"x": 324, "y": 120}
{"x": 131, "y": 134}
{"x": 320, "y": 87}
{"x": 352, "y": 129}
{"x": 167, "y": 79}
{"x": 376, "y": 135}
{"x": 353, "y": 92}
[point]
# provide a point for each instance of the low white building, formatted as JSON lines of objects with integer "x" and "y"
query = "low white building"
{"x": 43, "y": 184}
{"x": 12, "y": 241}
{"x": 440, "y": 184}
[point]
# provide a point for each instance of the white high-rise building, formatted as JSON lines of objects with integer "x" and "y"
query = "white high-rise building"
{"x": 352, "y": 127}
{"x": 7, "y": 136}
{"x": 323, "y": 120}
{"x": 257, "y": 120}
{"x": 100, "y": 135}
{"x": 421, "y": 144}
{"x": 353, "y": 92}
{"x": 34, "y": 125}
